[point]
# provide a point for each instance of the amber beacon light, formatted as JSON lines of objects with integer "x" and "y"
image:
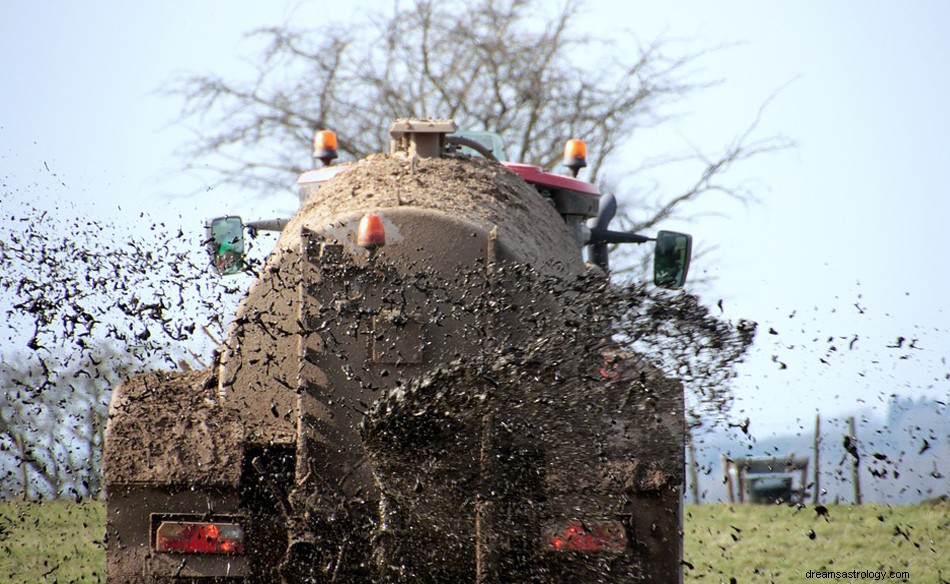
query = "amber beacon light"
{"x": 324, "y": 146}
{"x": 575, "y": 155}
{"x": 371, "y": 233}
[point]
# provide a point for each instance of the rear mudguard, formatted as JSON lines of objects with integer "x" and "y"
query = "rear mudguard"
{"x": 170, "y": 452}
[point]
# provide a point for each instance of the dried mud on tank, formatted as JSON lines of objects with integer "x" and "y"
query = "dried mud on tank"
{"x": 166, "y": 428}
{"x": 480, "y": 190}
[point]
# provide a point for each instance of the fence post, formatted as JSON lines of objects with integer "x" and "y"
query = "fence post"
{"x": 855, "y": 470}
{"x": 727, "y": 471}
{"x": 693, "y": 475}
{"x": 815, "y": 497}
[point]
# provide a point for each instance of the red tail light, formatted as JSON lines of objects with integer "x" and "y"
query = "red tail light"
{"x": 192, "y": 537}
{"x": 604, "y": 536}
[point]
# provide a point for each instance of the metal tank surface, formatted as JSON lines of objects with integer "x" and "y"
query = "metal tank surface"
{"x": 421, "y": 385}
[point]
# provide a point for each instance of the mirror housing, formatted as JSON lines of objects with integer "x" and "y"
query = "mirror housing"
{"x": 226, "y": 244}
{"x": 671, "y": 259}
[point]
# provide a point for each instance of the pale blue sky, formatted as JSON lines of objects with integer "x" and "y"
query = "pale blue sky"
{"x": 854, "y": 214}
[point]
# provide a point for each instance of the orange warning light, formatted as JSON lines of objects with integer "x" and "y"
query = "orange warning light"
{"x": 324, "y": 146}
{"x": 371, "y": 233}
{"x": 575, "y": 155}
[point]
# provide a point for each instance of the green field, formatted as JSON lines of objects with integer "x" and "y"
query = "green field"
{"x": 52, "y": 541}
{"x": 62, "y": 542}
{"x": 780, "y": 544}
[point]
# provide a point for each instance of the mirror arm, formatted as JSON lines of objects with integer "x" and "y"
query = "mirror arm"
{"x": 600, "y": 256}
{"x": 267, "y": 225}
{"x": 600, "y": 238}
{"x": 598, "y": 235}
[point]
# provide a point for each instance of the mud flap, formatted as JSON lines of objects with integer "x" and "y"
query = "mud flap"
{"x": 170, "y": 449}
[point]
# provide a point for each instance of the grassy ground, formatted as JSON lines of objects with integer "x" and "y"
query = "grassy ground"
{"x": 52, "y": 541}
{"x": 61, "y": 541}
{"x": 781, "y": 544}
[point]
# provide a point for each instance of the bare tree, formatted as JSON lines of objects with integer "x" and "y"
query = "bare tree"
{"x": 28, "y": 449}
{"x": 52, "y": 423}
{"x": 488, "y": 64}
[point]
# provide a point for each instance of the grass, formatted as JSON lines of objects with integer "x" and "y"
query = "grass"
{"x": 61, "y": 541}
{"x": 52, "y": 541}
{"x": 781, "y": 544}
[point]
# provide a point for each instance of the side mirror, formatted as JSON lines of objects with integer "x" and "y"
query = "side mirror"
{"x": 226, "y": 245}
{"x": 671, "y": 259}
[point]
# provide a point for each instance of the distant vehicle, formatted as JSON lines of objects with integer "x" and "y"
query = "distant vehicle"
{"x": 766, "y": 481}
{"x": 277, "y": 464}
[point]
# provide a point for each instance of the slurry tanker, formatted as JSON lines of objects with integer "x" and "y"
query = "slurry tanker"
{"x": 424, "y": 383}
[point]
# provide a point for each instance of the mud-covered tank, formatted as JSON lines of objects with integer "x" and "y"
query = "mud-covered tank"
{"x": 414, "y": 389}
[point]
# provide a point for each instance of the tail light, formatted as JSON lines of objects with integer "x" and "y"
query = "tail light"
{"x": 602, "y": 536}
{"x": 199, "y": 537}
